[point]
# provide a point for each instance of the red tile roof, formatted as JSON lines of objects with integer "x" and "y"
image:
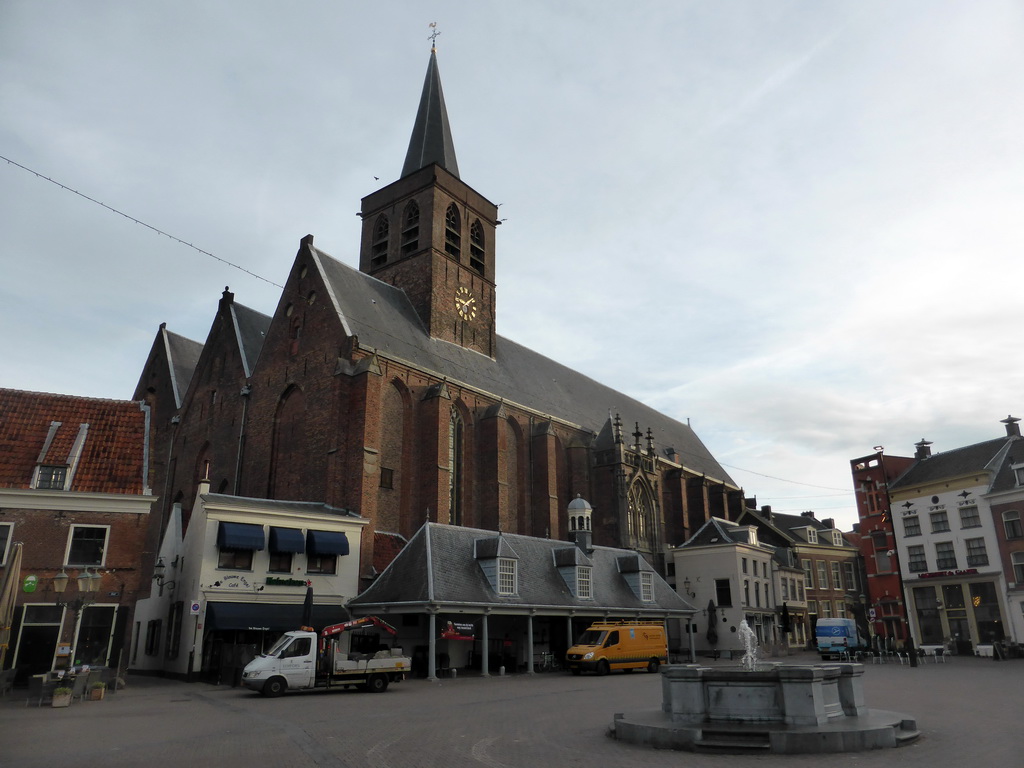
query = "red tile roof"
{"x": 113, "y": 452}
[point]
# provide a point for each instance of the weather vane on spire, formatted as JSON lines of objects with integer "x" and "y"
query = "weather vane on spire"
{"x": 433, "y": 37}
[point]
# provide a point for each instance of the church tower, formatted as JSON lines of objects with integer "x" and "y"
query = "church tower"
{"x": 432, "y": 235}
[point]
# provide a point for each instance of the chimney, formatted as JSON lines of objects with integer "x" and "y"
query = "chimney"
{"x": 829, "y": 522}
{"x": 923, "y": 451}
{"x": 809, "y": 513}
{"x": 1012, "y": 430}
{"x": 766, "y": 512}
{"x": 750, "y": 503}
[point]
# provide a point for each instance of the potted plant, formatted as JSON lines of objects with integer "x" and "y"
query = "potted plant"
{"x": 97, "y": 691}
{"x": 61, "y": 697}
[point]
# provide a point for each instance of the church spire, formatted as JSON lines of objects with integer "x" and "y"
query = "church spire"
{"x": 431, "y": 140}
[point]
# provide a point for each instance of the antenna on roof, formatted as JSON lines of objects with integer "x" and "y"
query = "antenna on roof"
{"x": 433, "y": 37}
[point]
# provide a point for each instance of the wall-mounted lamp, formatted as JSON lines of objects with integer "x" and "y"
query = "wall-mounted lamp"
{"x": 686, "y": 587}
{"x": 158, "y": 573}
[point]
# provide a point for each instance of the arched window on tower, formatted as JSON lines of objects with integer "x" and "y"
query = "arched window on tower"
{"x": 476, "y": 246}
{"x": 410, "y": 228}
{"x": 453, "y": 232}
{"x": 379, "y": 244}
{"x": 456, "y": 431}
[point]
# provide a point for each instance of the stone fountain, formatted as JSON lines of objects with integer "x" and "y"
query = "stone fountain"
{"x": 757, "y": 707}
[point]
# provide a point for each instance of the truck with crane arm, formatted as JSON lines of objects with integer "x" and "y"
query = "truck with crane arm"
{"x": 339, "y": 656}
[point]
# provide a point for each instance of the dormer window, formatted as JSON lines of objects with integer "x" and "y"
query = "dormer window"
{"x": 837, "y": 538}
{"x": 583, "y": 574}
{"x": 812, "y": 536}
{"x": 52, "y": 478}
{"x": 647, "y": 586}
{"x": 507, "y": 576}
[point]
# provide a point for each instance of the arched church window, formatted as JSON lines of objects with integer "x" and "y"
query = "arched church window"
{"x": 379, "y": 244}
{"x": 640, "y": 517}
{"x": 476, "y": 246}
{"x": 410, "y": 228}
{"x": 453, "y": 232}
{"x": 456, "y": 431}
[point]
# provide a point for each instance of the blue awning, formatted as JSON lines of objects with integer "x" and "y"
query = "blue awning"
{"x": 326, "y": 543}
{"x": 240, "y": 536}
{"x": 287, "y": 540}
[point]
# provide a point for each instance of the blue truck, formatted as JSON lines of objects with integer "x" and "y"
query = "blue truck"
{"x": 838, "y": 636}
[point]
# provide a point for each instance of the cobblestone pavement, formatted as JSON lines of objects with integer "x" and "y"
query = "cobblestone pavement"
{"x": 968, "y": 712}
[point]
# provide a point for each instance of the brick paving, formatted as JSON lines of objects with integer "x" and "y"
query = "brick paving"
{"x": 968, "y": 712}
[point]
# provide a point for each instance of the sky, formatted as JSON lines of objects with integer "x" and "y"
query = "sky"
{"x": 796, "y": 225}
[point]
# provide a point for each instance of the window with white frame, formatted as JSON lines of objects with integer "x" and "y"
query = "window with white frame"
{"x": 1018, "y": 473}
{"x": 917, "y": 562}
{"x": 5, "y": 541}
{"x": 87, "y": 544}
{"x": 1011, "y": 524}
{"x": 822, "y": 574}
{"x": 940, "y": 522}
{"x": 1018, "y": 568}
{"x": 812, "y": 607}
{"x": 52, "y": 478}
{"x": 976, "y": 553}
{"x": 969, "y": 517}
{"x": 826, "y": 609}
{"x": 785, "y": 590}
{"x": 837, "y": 576}
{"x": 583, "y": 582}
{"x": 912, "y": 525}
{"x": 837, "y": 538}
{"x": 808, "y": 572}
{"x": 850, "y": 577}
{"x": 945, "y": 556}
{"x": 812, "y": 536}
{"x": 507, "y": 583}
{"x": 647, "y": 586}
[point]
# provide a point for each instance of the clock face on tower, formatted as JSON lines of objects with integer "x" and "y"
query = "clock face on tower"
{"x": 465, "y": 303}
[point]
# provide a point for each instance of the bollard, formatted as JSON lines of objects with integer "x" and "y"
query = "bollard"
{"x": 501, "y": 671}
{"x": 455, "y": 673}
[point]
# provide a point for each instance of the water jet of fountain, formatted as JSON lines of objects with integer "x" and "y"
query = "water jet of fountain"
{"x": 749, "y": 640}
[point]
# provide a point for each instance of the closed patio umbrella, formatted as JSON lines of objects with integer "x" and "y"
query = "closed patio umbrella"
{"x": 8, "y": 598}
{"x": 712, "y": 634}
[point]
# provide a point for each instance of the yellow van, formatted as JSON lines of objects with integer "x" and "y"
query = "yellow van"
{"x": 609, "y": 645}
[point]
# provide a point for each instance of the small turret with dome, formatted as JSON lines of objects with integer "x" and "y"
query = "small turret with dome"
{"x": 580, "y": 513}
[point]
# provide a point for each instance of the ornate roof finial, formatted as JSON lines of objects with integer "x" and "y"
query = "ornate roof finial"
{"x": 433, "y": 36}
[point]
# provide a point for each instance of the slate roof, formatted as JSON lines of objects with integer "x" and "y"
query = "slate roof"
{"x": 714, "y": 531}
{"x": 985, "y": 456}
{"x": 113, "y": 454}
{"x": 382, "y": 318}
{"x": 273, "y": 505}
{"x": 439, "y": 566}
{"x": 250, "y": 332}
{"x": 183, "y": 356}
{"x": 431, "y": 140}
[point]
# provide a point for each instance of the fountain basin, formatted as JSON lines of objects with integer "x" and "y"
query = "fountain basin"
{"x": 786, "y": 709}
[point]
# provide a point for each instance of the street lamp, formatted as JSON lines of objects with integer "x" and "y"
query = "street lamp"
{"x": 88, "y": 583}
